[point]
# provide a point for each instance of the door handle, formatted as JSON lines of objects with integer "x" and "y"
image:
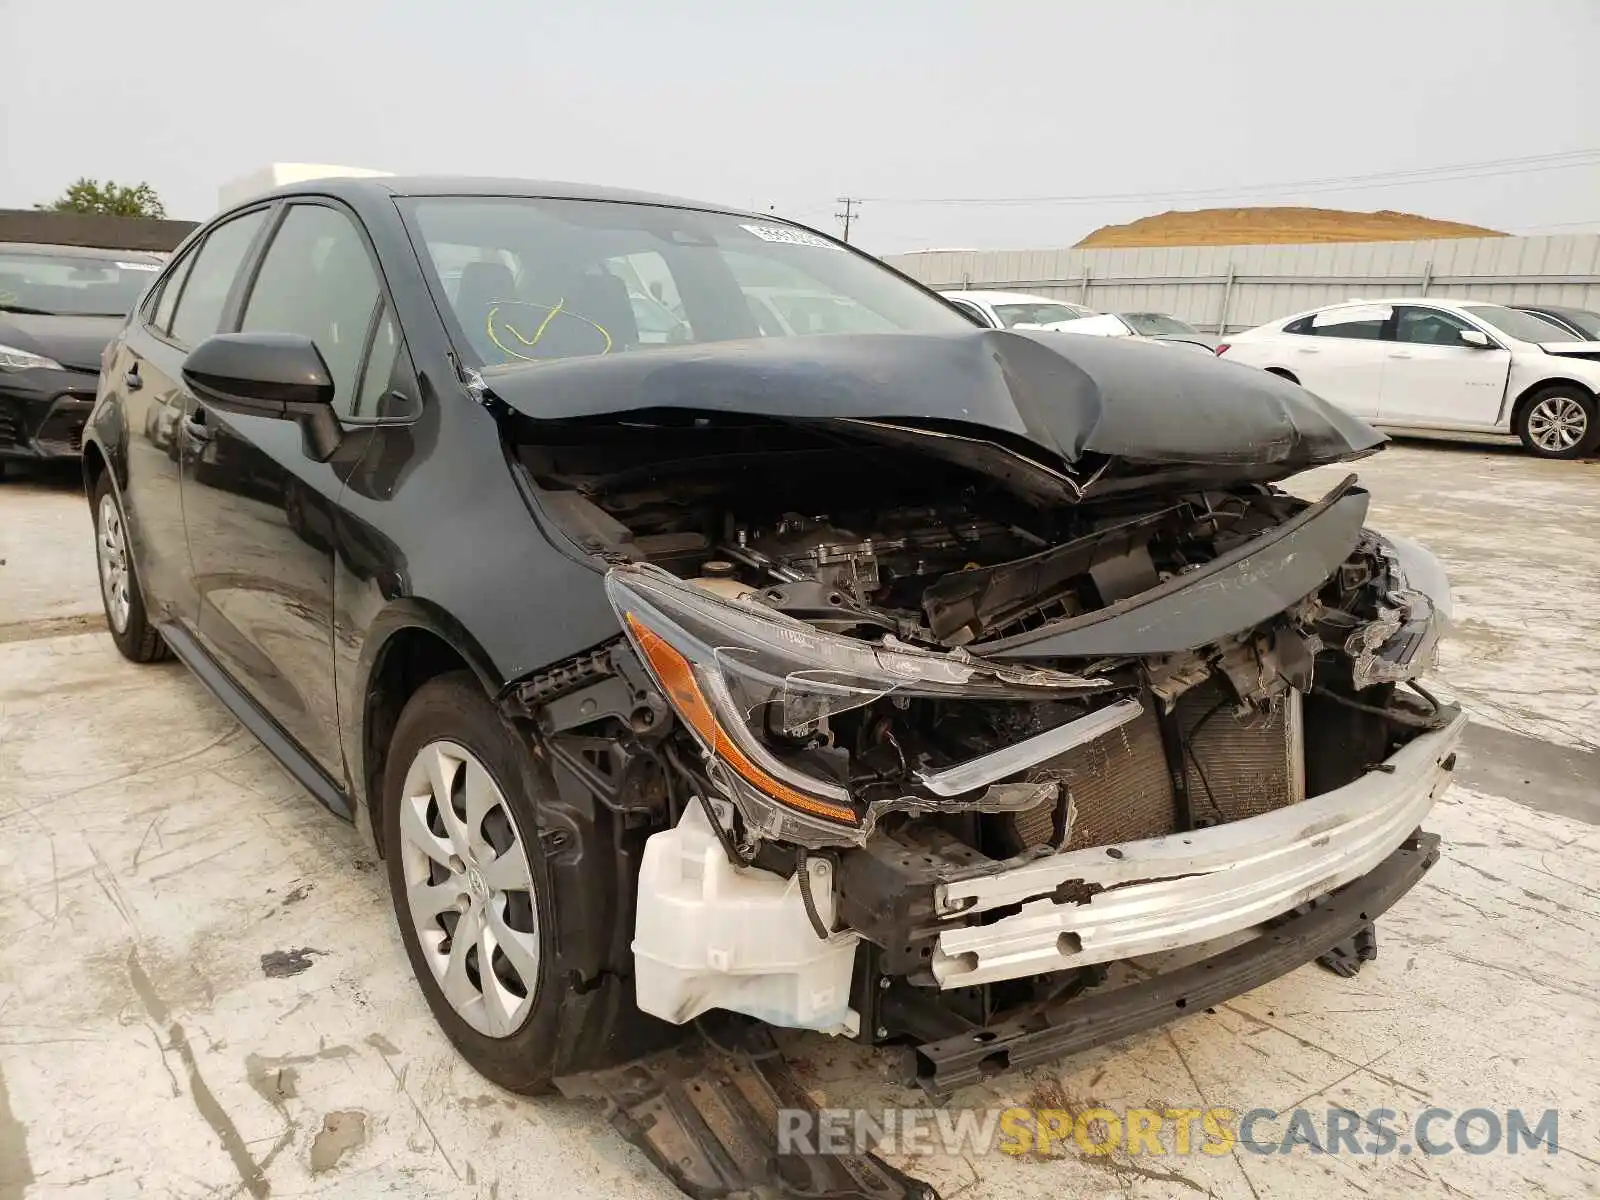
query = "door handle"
{"x": 1400, "y": 354}
{"x": 1309, "y": 349}
{"x": 131, "y": 380}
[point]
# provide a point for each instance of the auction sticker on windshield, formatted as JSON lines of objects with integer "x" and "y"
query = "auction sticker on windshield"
{"x": 793, "y": 237}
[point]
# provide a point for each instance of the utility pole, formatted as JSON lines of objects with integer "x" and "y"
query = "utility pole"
{"x": 851, "y": 205}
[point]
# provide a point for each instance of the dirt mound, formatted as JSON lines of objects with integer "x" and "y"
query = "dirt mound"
{"x": 1276, "y": 226}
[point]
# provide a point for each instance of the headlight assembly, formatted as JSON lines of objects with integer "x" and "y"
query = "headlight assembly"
{"x": 745, "y": 679}
{"x": 14, "y": 359}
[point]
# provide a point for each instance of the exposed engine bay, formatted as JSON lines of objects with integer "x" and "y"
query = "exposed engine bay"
{"x": 903, "y": 701}
{"x": 864, "y": 537}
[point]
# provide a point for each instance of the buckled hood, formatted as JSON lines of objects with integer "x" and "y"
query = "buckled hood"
{"x": 1062, "y": 402}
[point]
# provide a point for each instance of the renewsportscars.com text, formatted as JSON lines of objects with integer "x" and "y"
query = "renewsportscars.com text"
{"x": 1174, "y": 1131}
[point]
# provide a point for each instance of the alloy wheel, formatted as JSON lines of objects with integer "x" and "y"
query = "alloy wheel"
{"x": 1557, "y": 424}
{"x": 469, "y": 889}
{"x": 111, "y": 550}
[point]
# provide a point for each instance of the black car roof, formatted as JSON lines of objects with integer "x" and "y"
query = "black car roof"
{"x": 467, "y": 185}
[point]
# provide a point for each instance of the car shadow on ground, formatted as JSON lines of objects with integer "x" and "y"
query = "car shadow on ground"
{"x": 64, "y": 476}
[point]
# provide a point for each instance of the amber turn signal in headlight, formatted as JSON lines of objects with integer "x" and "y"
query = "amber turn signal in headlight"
{"x": 677, "y": 679}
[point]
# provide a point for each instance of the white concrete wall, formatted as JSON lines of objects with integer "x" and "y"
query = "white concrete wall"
{"x": 273, "y": 175}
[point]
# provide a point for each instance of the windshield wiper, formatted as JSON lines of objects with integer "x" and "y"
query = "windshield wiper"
{"x": 24, "y": 309}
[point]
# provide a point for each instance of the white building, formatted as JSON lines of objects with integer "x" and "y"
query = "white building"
{"x": 278, "y": 174}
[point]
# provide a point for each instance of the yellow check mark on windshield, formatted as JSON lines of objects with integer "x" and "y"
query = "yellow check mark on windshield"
{"x": 543, "y": 325}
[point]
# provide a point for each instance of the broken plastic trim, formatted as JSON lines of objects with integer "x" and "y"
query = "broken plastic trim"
{"x": 1402, "y": 642}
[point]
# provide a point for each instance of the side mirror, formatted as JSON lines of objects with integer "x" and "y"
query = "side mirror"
{"x": 277, "y": 375}
{"x": 1476, "y": 338}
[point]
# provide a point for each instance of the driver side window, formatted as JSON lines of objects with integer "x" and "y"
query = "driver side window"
{"x": 1429, "y": 327}
{"x": 318, "y": 280}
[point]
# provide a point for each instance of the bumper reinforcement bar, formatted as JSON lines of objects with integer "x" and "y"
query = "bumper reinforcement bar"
{"x": 1072, "y": 1026}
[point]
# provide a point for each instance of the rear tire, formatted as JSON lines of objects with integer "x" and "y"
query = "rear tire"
{"x": 120, "y": 594}
{"x": 450, "y": 738}
{"x": 1559, "y": 422}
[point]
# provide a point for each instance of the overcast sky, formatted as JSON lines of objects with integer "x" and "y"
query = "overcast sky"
{"x": 792, "y": 105}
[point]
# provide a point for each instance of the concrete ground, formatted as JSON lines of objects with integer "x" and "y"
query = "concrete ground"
{"x": 202, "y": 992}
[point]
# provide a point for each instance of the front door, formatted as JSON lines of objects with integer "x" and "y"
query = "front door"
{"x": 1431, "y": 378}
{"x": 259, "y": 510}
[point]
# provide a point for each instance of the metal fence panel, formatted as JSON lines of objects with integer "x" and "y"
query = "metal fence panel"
{"x": 1235, "y": 287}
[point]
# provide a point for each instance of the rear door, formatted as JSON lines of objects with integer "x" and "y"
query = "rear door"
{"x": 260, "y": 512}
{"x": 1431, "y": 378}
{"x": 1339, "y": 354}
{"x": 146, "y": 371}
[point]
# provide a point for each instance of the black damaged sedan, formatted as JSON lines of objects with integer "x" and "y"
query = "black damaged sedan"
{"x": 710, "y": 627}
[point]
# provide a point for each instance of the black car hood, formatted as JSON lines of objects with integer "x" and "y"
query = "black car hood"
{"x": 1055, "y": 398}
{"x": 72, "y": 341}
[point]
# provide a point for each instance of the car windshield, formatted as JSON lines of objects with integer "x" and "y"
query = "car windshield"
{"x": 1156, "y": 324}
{"x": 1525, "y": 327}
{"x": 72, "y": 284}
{"x": 529, "y": 280}
{"x": 819, "y": 312}
{"x": 1012, "y": 315}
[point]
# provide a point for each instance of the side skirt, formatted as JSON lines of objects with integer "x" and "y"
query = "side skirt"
{"x": 267, "y": 731}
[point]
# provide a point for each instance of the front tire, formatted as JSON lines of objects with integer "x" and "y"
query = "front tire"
{"x": 1559, "y": 422}
{"x": 120, "y": 594}
{"x": 471, "y": 890}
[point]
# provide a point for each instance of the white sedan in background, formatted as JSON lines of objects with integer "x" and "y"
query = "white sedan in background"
{"x": 1146, "y": 327}
{"x": 1440, "y": 368}
{"x": 1017, "y": 310}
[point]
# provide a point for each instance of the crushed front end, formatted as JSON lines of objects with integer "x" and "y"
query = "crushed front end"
{"x": 940, "y": 764}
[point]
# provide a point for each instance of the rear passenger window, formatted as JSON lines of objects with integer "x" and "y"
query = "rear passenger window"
{"x": 1362, "y": 322}
{"x": 318, "y": 280}
{"x": 205, "y": 291}
{"x": 975, "y": 313}
{"x": 170, "y": 290}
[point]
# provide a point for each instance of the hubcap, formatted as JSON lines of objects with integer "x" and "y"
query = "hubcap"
{"x": 469, "y": 889}
{"x": 1557, "y": 423}
{"x": 111, "y": 548}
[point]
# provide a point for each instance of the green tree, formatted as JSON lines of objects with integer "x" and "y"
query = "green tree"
{"x": 112, "y": 199}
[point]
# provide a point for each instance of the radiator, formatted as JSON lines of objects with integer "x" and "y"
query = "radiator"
{"x": 1236, "y": 769}
{"x": 1123, "y": 791}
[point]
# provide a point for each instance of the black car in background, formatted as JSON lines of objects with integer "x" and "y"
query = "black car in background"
{"x": 59, "y": 306}
{"x": 1580, "y": 322}
{"x": 744, "y": 671}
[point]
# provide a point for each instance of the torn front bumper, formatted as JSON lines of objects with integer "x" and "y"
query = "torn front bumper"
{"x": 1188, "y": 888}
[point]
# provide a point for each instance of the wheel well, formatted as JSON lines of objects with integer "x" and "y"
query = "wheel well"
{"x": 407, "y": 661}
{"x": 94, "y": 466}
{"x": 1282, "y": 373}
{"x": 1533, "y": 391}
